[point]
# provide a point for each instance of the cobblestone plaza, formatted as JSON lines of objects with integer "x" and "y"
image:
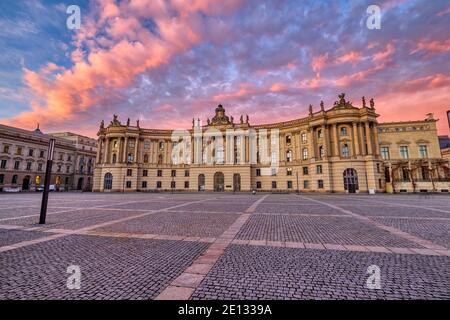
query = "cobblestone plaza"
{"x": 225, "y": 246}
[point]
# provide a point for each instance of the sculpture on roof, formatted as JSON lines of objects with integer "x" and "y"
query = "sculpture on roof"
{"x": 310, "y": 109}
{"x": 322, "y": 107}
{"x": 364, "y": 101}
{"x": 372, "y": 104}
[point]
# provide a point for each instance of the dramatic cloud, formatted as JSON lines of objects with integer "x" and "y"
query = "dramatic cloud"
{"x": 165, "y": 62}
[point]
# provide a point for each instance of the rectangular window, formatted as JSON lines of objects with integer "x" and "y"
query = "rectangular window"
{"x": 3, "y": 164}
{"x": 378, "y": 168}
{"x": 144, "y": 184}
{"x": 19, "y": 151}
{"x": 158, "y": 184}
{"x": 2, "y": 178}
{"x": 16, "y": 165}
{"x": 145, "y": 173}
{"x": 289, "y": 184}
{"x": 186, "y": 173}
{"x": 320, "y": 184}
{"x": 129, "y": 172}
{"x": 289, "y": 171}
{"x": 30, "y": 152}
{"x": 380, "y": 184}
{"x": 305, "y": 184}
{"x": 258, "y": 184}
{"x": 305, "y": 170}
{"x": 39, "y": 166}
{"x": 423, "y": 153}
{"x": 186, "y": 184}
{"x": 128, "y": 184}
{"x": 385, "y": 152}
{"x": 159, "y": 173}
{"x": 404, "y": 152}
{"x": 274, "y": 171}
{"x": 319, "y": 169}
{"x": 172, "y": 184}
{"x": 304, "y": 137}
{"x": 258, "y": 172}
{"x": 41, "y": 154}
{"x": 405, "y": 174}
{"x": 59, "y": 169}
{"x": 274, "y": 184}
{"x": 5, "y": 149}
{"x": 173, "y": 173}
{"x": 67, "y": 169}
{"x": 14, "y": 179}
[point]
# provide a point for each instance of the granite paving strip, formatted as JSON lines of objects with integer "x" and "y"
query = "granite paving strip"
{"x": 422, "y": 242}
{"x": 56, "y": 236}
{"x": 69, "y": 210}
{"x": 184, "y": 286}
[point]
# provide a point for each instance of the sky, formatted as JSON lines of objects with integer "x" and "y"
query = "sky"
{"x": 165, "y": 62}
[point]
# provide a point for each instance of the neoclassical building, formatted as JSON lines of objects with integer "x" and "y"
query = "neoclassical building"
{"x": 23, "y": 158}
{"x": 339, "y": 149}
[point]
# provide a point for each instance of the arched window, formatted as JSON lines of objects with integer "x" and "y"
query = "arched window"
{"x": 305, "y": 153}
{"x": 145, "y": 158}
{"x": 14, "y": 179}
{"x": 161, "y": 145}
{"x": 114, "y": 158}
{"x": 304, "y": 137}
{"x": 343, "y": 131}
{"x": 344, "y": 150}
{"x": 130, "y": 157}
{"x": 107, "y": 184}
{"x": 289, "y": 156}
{"x": 160, "y": 159}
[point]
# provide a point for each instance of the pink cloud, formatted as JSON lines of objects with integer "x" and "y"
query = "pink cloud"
{"x": 351, "y": 56}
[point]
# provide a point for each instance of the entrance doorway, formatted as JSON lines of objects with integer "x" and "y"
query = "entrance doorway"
{"x": 201, "y": 182}
{"x": 80, "y": 184}
{"x": 107, "y": 183}
{"x": 26, "y": 183}
{"x": 236, "y": 182}
{"x": 351, "y": 180}
{"x": 219, "y": 181}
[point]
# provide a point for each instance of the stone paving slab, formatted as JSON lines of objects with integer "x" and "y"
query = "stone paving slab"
{"x": 72, "y": 219}
{"x": 297, "y": 209}
{"x": 252, "y": 272}
{"x": 331, "y": 230}
{"x": 437, "y": 231}
{"x": 193, "y": 224}
{"x": 394, "y": 211}
{"x": 9, "y": 237}
{"x": 111, "y": 268}
{"x": 233, "y": 206}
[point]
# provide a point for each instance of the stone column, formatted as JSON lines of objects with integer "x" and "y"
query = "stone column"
{"x": 376, "y": 142}
{"x": 312, "y": 144}
{"x": 361, "y": 137}
{"x": 99, "y": 151}
{"x": 136, "y": 150}
{"x": 325, "y": 140}
{"x": 335, "y": 140}
{"x": 106, "y": 155}
{"x": 368, "y": 138}
{"x": 356, "y": 139}
{"x": 125, "y": 149}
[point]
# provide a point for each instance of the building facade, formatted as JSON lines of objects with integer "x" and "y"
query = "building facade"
{"x": 341, "y": 149}
{"x": 23, "y": 159}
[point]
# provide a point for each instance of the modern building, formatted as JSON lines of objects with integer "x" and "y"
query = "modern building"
{"x": 342, "y": 149}
{"x": 23, "y": 158}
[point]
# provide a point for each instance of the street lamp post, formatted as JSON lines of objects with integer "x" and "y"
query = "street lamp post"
{"x": 48, "y": 174}
{"x": 297, "y": 182}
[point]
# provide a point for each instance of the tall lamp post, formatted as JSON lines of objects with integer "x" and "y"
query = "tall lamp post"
{"x": 297, "y": 182}
{"x": 448, "y": 117}
{"x": 48, "y": 174}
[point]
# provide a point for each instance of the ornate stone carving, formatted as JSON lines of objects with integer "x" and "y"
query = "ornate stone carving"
{"x": 115, "y": 122}
{"x": 342, "y": 103}
{"x": 220, "y": 118}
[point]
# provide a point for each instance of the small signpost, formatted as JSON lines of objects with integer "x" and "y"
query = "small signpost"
{"x": 48, "y": 174}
